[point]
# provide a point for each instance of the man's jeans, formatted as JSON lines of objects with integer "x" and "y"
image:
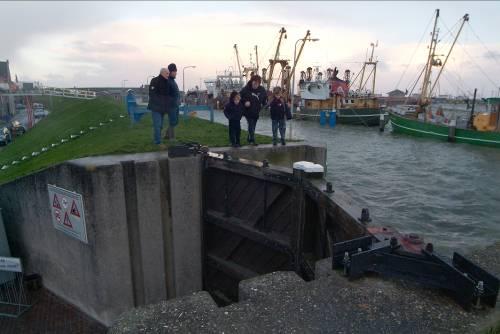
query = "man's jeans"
{"x": 281, "y": 125}
{"x": 251, "y": 129}
{"x": 173, "y": 120}
{"x": 157, "y": 126}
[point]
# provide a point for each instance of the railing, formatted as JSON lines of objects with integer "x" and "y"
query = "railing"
{"x": 69, "y": 92}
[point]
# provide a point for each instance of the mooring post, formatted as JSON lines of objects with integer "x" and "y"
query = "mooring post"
{"x": 381, "y": 123}
{"x": 451, "y": 130}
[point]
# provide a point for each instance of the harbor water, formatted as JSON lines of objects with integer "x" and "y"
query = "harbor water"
{"x": 448, "y": 193}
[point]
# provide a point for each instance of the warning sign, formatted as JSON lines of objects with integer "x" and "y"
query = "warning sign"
{"x": 55, "y": 203}
{"x": 74, "y": 210}
{"x": 67, "y": 212}
{"x": 67, "y": 222}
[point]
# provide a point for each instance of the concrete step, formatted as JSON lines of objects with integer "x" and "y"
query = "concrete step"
{"x": 281, "y": 302}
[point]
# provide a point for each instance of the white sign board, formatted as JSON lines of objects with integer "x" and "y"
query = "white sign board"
{"x": 67, "y": 212}
{"x": 12, "y": 264}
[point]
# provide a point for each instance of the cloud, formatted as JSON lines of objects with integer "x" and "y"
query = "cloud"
{"x": 171, "y": 46}
{"x": 495, "y": 55}
{"x": 265, "y": 24}
{"x": 102, "y": 47}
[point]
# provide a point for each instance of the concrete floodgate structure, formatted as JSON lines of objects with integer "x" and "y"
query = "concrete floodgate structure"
{"x": 143, "y": 215}
{"x": 255, "y": 235}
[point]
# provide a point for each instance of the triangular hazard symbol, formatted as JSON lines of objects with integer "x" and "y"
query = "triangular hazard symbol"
{"x": 55, "y": 203}
{"x": 74, "y": 209}
{"x": 67, "y": 222}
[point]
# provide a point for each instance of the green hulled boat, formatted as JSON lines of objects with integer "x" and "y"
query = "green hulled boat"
{"x": 480, "y": 128}
{"x": 414, "y": 127}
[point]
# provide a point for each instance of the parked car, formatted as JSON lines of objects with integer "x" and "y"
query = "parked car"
{"x": 39, "y": 113}
{"x": 20, "y": 106}
{"x": 5, "y": 137}
{"x": 17, "y": 128}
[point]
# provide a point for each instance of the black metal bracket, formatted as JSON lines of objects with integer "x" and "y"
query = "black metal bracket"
{"x": 466, "y": 282}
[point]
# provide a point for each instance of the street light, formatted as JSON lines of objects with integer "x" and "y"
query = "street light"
{"x": 183, "y": 91}
{"x": 293, "y": 75}
{"x": 123, "y": 83}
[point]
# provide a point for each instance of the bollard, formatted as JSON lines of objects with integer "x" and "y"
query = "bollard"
{"x": 451, "y": 131}
{"x": 333, "y": 118}
{"x": 322, "y": 117}
{"x": 381, "y": 123}
{"x": 365, "y": 216}
{"x": 329, "y": 188}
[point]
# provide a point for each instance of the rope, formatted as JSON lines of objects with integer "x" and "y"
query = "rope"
{"x": 414, "y": 51}
{"x": 473, "y": 61}
{"x": 489, "y": 51}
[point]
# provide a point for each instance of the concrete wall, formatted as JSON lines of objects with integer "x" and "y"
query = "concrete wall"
{"x": 143, "y": 218}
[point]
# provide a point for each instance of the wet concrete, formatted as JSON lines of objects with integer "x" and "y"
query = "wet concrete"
{"x": 283, "y": 302}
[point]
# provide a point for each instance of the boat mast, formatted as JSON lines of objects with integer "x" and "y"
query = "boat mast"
{"x": 257, "y": 59}
{"x": 425, "y": 95}
{"x": 464, "y": 19}
{"x": 273, "y": 62}
{"x": 238, "y": 59}
{"x": 362, "y": 76}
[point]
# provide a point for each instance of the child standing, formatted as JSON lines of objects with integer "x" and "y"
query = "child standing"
{"x": 233, "y": 112}
{"x": 279, "y": 110}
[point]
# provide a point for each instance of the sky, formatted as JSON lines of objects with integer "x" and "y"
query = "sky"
{"x": 103, "y": 44}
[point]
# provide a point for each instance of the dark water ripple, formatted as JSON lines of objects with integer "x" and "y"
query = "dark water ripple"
{"x": 448, "y": 193}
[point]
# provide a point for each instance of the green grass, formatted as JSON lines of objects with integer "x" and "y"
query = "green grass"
{"x": 68, "y": 117}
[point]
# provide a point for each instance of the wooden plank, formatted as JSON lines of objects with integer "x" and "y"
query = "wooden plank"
{"x": 276, "y": 175}
{"x": 235, "y": 225}
{"x": 298, "y": 221}
{"x": 230, "y": 268}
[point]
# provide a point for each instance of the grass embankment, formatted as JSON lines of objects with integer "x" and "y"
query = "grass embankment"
{"x": 69, "y": 117}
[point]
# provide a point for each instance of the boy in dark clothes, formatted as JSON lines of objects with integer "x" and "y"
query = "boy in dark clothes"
{"x": 279, "y": 109}
{"x": 233, "y": 112}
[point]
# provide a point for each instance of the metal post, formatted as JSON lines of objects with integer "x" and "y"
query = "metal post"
{"x": 293, "y": 86}
{"x": 293, "y": 77}
{"x": 471, "y": 118}
{"x": 183, "y": 91}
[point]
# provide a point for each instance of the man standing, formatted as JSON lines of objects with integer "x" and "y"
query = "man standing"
{"x": 253, "y": 97}
{"x": 158, "y": 101}
{"x": 173, "y": 102}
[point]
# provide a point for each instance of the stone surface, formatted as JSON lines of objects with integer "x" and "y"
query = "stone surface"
{"x": 282, "y": 302}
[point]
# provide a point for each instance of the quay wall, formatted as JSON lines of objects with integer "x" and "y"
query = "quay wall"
{"x": 143, "y": 216}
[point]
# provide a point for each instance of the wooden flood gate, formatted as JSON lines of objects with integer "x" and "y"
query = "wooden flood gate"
{"x": 259, "y": 219}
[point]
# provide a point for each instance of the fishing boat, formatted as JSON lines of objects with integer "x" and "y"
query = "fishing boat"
{"x": 325, "y": 94}
{"x": 427, "y": 119}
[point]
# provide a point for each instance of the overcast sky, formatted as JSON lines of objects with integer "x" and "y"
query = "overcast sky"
{"x": 67, "y": 44}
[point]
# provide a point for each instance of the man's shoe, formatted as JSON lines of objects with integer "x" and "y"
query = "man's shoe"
{"x": 283, "y": 142}
{"x": 275, "y": 143}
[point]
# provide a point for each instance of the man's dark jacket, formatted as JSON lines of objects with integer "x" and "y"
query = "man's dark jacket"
{"x": 256, "y": 97}
{"x": 159, "y": 94}
{"x": 163, "y": 95}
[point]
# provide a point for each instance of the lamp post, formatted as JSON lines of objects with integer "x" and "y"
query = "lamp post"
{"x": 183, "y": 91}
{"x": 123, "y": 83}
{"x": 293, "y": 75}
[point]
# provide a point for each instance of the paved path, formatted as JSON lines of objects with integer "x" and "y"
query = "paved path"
{"x": 50, "y": 315}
